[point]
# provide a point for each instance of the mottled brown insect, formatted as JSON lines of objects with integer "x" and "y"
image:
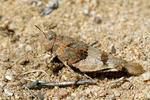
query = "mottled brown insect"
{"x": 86, "y": 58}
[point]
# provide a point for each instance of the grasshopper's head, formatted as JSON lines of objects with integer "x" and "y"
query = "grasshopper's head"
{"x": 50, "y": 39}
{"x": 50, "y": 35}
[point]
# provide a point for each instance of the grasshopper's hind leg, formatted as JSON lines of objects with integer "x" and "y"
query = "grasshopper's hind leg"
{"x": 75, "y": 72}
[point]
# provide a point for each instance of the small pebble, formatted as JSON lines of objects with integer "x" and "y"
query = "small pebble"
{"x": 93, "y": 13}
{"x": 9, "y": 75}
{"x": 95, "y": 94}
{"x": 7, "y": 92}
{"x": 82, "y": 98}
{"x": 4, "y": 58}
{"x": 103, "y": 93}
{"x": 63, "y": 77}
{"x": 79, "y": 2}
{"x": 28, "y": 48}
{"x": 23, "y": 61}
{"x": 73, "y": 94}
{"x": 138, "y": 97}
{"x": 88, "y": 91}
{"x": 137, "y": 40}
{"x": 12, "y": 26}
{"x": 37, "y": 74}
{"x": 112, "y": 97}
{"x": 146, "y": 76}
{"x": 21, "y": 45}
{"x": 98, "y": 20}
{"x": 116, "y": 93}
{"x": 15, "y": 38}
{"x": 50, "y": 8}
{"x": 5, "y": 66}
{"x": 39, "y": 95}
{"x": 86, "y": 10}
{"x": 39, "y": 3}
{"x": 26, "y": 0}
{"x": 55, "y": 98}
{"x": 35, "y": 64}
{"x": 46, "y": 56}
{"x": 143, "y": 57}
{"x": 22, "y": 39}
{"x": 95, "y": 88}
{"x": 113, "y": 49}
{"x": 146, "y": 92}
{"x": 126, "y": 85}
{"x": 62, "y": 94}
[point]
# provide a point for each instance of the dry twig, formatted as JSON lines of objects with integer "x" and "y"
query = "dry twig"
{"x": 38, "y": 84}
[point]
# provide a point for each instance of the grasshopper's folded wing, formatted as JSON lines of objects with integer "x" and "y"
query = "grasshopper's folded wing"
{"x": 95, "y": 61}
{"x": 98, "y": 61}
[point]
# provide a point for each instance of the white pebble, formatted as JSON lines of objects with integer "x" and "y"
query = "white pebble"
{"x": 136, "y": 40}
{"x": 95, "y": 88}
{"x": 88, "y": 91}
{"x": 146, "y": 76}
{"x": 39, "y": 3}
{"x": 12, "y": 26}
{"x": 21, "y": 45}
{"x": 86, "y": 11}
{"x": 64, "y": 77}
{"x": 28, "y": 48}
{"x": 95, "y": 94}
{"x": 26, "y": 0}
{"x": 72, "y": 17}
{"x": 8, "y": 92}
{"x": 93, "y": 13}
{"x": 9, "y": 76}
{"x": 144, "y": 40}
{"x": 112, "y": 97}
{"x": 82, "y": 98}
{"x": 22, "y": 39}
{"x": 46, "y": 56}
{"x": 73, "y": 94}
{"x": 55, "y": 98}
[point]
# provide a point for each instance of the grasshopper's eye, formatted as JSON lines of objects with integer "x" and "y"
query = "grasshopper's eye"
{"x": 51, "y": 35}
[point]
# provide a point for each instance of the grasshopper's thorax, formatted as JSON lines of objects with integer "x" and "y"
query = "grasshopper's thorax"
{"x": 62, "y": 42}
{"x": 69, "y": 50}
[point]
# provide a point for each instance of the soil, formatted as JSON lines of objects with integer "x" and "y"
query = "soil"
{"x": 121, "y": 28}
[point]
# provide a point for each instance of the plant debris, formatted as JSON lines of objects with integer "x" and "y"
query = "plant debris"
{"x": 39, "y": 84}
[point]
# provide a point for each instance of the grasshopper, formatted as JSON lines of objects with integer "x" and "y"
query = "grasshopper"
{"x": 86, "y": 58}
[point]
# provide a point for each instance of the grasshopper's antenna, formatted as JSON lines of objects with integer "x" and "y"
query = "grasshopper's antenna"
{"x": 40, "y": 30}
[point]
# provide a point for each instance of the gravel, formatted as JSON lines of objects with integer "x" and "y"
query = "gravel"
{"x": 122, "y": 24}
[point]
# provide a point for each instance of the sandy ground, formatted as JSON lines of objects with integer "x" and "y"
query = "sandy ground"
{"x": 119, "y": 24}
